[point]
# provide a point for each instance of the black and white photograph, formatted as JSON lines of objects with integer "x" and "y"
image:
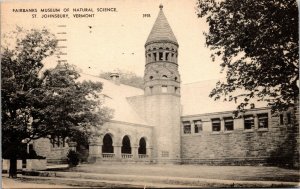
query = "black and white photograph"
{"x": 150, "y": 93}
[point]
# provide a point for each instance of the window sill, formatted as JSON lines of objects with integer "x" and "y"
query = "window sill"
{"x": 263, "y": 129}
{"x": 216, "y": 133}
{"x": 197, "y": 134}
{"x": 58, "y": 148}
{"x": 248, "y": 131}
{"x": 192, "y": 134}
{"x": 228, "y": 132}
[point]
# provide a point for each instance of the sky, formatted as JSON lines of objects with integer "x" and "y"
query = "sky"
{"x": 115, "y": 40}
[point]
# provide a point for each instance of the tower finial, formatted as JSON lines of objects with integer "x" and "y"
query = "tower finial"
{"x": 161, "y": 6}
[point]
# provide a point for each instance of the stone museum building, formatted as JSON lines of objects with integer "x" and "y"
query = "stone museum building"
{"x": 171, "y": 122}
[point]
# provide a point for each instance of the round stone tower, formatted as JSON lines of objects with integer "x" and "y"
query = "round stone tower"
{"x": 162, "y": 90}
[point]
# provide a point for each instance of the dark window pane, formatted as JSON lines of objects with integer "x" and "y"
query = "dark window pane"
{"x": 289, "y": 118}
{"x": 263, "y": 121}
{"x": 228, "y": 124}
{"x": 198, "y": 126}
{"x": 248, "y": 122}
{"x": 216, "y": 125}
{"x": 160, "y": 56}
{"x": 281, "y": 119}
{"x": 186, "y": 127}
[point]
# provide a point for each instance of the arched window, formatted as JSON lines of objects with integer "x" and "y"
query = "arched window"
{"x": 165, "y": 76}
{"x": 160, "y": 56}
{"x": 172, "y": 57}
{"x": 142, "y": 146}
{"x": 167, "y": 56}
{"x": 126, "y": 147}
{"x": 154, "y": 57}
{"x": 176, "y": 89}
{"x": 107, "y": 144}
{"x": 151, "y": 77}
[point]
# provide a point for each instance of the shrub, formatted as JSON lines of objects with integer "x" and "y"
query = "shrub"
{"x": 33, "y": 155}
{"x": 73, "y": 158}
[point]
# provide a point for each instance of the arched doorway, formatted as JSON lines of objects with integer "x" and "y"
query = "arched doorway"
{"x": 142, "y": 146}
{"x": 126, "y": 147}
{"x": 107, "y": 144}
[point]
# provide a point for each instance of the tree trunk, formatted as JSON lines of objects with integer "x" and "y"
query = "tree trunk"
{"x": 12, "y": 154}
{"x": 13, "y": 168}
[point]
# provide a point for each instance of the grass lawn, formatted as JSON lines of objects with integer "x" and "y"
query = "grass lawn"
{"x": 255, "y": 173}
{"x": 21, "y": 183}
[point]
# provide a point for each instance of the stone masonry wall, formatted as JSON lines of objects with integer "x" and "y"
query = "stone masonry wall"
{"x": 117, "y": 130}
{"x": 163, "y": 112}
{"x": 43, "y": 147}
{"x": 272, "y": 145}
{"x": 120, "y": 129}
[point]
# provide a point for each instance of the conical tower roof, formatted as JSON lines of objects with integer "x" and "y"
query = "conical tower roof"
{"x": 161, "y": 30}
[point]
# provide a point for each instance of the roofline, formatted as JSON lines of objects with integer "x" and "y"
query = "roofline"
{"x": 109, "y": 80}
{"x": 163, "y": 62}
{"x": 160, "y": 41}
{"x": 223, "y": 112}
{"x": 132, "y": 124}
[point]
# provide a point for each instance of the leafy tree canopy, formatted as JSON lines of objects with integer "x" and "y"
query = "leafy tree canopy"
{"x": 257, "y": 42}
{"x": 38, "y": 103}
{"x": 126, "y": 78}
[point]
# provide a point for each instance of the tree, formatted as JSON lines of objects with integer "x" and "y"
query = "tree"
{"x": 257, "y": 42}
{"x": 126, "y": 78}
{"x": 42, "y": 104}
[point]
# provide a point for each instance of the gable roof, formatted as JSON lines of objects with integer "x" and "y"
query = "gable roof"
{"x": 161, "y": 30}
{"x": 115, "y": 98}
{"x": 195, "y": 99}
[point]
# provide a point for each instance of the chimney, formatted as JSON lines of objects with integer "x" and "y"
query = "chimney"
{"x": 115, "y": 78}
